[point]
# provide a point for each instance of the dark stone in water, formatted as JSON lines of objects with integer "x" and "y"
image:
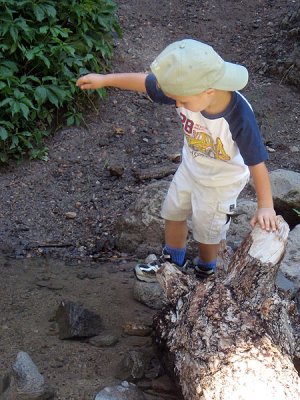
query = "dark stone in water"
{"x": 74, "y": 321}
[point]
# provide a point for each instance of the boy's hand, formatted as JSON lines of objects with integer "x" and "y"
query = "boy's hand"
{"x": 266, "y": 217}
{"x": 91, "y": 81}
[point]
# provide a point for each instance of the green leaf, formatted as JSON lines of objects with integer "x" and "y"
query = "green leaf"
{"x": 60, "y": 93}
{"x": 8, "y": 100}
{"x": 15, "y": 107}
{"x": 45, "y": 59}
{"x": 39, "y": 12}
{"x": 14, "y": 33}
{"x": 44, "y": 29}
{"x": 7, "y": 124}
{"x": 25, "y": 110}
{"x": 40, "y": 94}
{"x": 28, "y": 102}
{"x": 52, "y": 98}
{"x": 51, "y": 79}
{"x": 13, "y": 48}
{"x": 3, "y": 157}
{"x": 3, "y": 133}
{"x": 14, "y": 142}
{"x": 28, "y": 78}
{"x": 4, "y": 47}
{"x": 11, "y": 65}
{"x": 18, "y": 95}
{"x": 70, "y": 120}
{"x": 59, "y": 31}
{"x": 50, "y": 10}
{"x": 30, "y": 54}
{"x": 5, "y": 72}
{"x": 297, "y": 211}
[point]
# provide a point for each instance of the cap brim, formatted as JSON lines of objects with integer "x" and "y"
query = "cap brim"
{"x": 235, "y": 77}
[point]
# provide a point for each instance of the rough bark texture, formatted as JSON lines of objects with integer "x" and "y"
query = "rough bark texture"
{"x": 233, "y": 336}
{"x": 155, "y": 172}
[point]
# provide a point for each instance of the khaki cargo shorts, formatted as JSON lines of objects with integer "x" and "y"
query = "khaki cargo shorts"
{"x": 209, "y": 208}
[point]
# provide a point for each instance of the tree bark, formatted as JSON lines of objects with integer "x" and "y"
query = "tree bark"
{"x": 234, "y": 336}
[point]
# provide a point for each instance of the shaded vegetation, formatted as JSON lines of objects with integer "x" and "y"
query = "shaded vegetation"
{"x": 44, "y": 46}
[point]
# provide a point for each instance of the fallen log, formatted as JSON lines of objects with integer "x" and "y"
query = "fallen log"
{"x": 234, "y": 336}
{"x": 154, "y": 172}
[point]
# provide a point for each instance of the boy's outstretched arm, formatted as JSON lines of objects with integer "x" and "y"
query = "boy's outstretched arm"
{"x": 126, "y": 81}
{"x": 265, "y": 214}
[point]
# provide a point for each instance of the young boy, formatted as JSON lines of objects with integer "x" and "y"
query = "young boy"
{"x": 222, "y": 143}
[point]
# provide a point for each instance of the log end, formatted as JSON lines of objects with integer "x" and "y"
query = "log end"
{"x": 268, "y": 247}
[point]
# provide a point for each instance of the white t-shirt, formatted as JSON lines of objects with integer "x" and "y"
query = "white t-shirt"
{"x": 208, "y": 144}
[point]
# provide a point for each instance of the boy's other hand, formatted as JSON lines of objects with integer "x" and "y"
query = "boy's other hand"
{"x": 266, "y": 217}
{"x": 91, "y": 81}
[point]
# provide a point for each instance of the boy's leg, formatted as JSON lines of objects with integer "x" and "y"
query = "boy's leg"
{"x": 212, "y": 207}
{"x": 175, "y": 241}
{"x": 175, "y": 233}
{"x": 207, "y": 260}
{"x": 208, "y": 252}
{"x": 173, "y": 251}
{"x": 175, "y": 210}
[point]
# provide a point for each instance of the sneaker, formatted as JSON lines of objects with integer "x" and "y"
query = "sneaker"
{"x": 147, "y": 272}
{"x": 202, "y": 272}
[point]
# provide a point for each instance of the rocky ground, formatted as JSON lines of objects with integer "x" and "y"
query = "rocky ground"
{"x": 66, "y": 209}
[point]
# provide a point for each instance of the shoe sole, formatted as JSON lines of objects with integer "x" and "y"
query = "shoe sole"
{"x": 203, "y": 276}
{"x": 143, "y": 278}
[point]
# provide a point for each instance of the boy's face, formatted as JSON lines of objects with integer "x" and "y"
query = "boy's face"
{"x": 196, "y": 103}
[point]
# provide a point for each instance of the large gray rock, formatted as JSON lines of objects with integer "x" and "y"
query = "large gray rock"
{"x": 141, "y": 229}
{"x": 285, "y": 284}
{"x": 284, "y": 181}
{"x": 149, "y": 293}
{"x": 290, "y": 265}
{"x": 124, "y": 391}
{"x": 240, "y": 222}
{"x": 286, "y": 194}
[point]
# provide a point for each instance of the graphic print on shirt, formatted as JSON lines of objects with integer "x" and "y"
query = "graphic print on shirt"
{"x": 201, "y": 142}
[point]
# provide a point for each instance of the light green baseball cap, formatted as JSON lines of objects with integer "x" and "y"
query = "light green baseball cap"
{"x": 189, "y": 67}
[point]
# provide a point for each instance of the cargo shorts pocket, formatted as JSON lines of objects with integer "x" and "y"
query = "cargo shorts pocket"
{"x": 222, "y": 218}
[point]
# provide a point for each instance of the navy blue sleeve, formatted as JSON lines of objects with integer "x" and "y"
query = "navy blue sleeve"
{"x": 155, "y": 93}
{"x": 246, "y": 133}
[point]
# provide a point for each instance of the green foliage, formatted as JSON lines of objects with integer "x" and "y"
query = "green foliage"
{"x": 45, "y": 45}
{"x": 297, "y": 212}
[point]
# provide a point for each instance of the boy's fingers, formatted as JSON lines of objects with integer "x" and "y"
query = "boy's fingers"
{"x": 261, "y": 222}
{"x": 83, "y": 85}
{"x": 267, "y": 224}
{"x": 253, "y": 221}
{"x": 274, "y": 224}
{"x": 81, "y": 81}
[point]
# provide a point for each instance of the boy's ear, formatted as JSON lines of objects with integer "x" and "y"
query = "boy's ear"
{"x": 210, "y": 91}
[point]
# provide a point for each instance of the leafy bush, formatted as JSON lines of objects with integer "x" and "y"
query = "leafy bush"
{"x": 44, "y": 46}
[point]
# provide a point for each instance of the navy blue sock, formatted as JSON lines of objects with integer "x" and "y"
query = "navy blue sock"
{"x": 177, "y": 255}
{"x": 210, "y": 265}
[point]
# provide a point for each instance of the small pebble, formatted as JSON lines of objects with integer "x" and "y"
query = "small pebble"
{"x": 70, "y": 215}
